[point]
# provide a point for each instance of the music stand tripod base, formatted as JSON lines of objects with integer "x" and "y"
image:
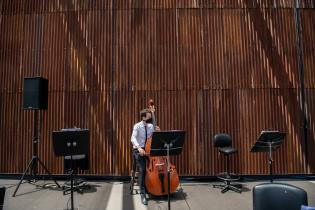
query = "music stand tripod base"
{"x": 167, "y": 143}
{"x": 69, "y": 142}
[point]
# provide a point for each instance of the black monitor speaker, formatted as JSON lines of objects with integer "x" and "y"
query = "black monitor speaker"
{"x": 35, "y": 93}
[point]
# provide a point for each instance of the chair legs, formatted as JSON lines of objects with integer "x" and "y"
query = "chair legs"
{"x": 133, "y": 179}
{"x": 228, "y": 186}
{"x": 227, "y": 178}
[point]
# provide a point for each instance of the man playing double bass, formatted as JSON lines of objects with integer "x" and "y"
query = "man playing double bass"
{"x": 141, "y": 131}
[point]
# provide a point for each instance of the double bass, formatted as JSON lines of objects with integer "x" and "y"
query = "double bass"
{"x": 156, "y": 179}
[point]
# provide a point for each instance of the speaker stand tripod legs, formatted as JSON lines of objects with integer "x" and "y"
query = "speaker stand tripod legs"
{"x": 33, "y": 163}
{"x": 31, "y": 166}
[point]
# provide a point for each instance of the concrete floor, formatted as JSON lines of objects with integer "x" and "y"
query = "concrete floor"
{"x": 116, "y": 196}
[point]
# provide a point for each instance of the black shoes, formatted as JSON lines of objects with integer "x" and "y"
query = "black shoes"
{"x": 144, "y": 200}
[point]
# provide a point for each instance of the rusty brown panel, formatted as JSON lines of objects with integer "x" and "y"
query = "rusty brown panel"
{"x": 307, "y": 4}
{"x": 213, "y": 49}
{"x": 145, "y": 47}
{"x": 88, "y": 57}
{"x": 276, "y": 109}
{"x": 95, "y": 74}
{"x": 38, "y": 6}
{"x": 54, "y": 56}
{"x": 276, "y": 29}
{"x": 124, "y": 4}
{"x": 285, "y": 4}
{"x": 132, "y": 40}
{"x": 284, "y": 54}
{"x": 99, "y": 47}
{"x": 34, "y": 6}
{"x": 16, "y": 126}
{"x": 100, "y": 122}
{"x": 163, "y": 4}
{"x": 249, "y": 48}
{"x": 99, "y": 4}
{"x": 55, "y": 31}
{"x": 308, "y": 40}
{"x": 226, "y": 49}
{"x": 243, "y": 114}
{"x": 92, "y": 110}
{"x": 52, "y": 119}
{"x": 11, "y": 27}
{"x": 98, "y": 29}
{"x": 10, "y": 68}
{"x": 228, "y": 4}
{"x": 77, "y": 74}
{"x": 190, "y": 57}
{"x": 136, "y": 4}
{"x": 53, "y": 68}
{"x": 188, "y": 4}
{"x": 33, "y": 32}
{"x": 273, "y": 4}
{"x": 310, "y": 107}
{"x": 12, "y": 7}
{"x": 124, "y": 116}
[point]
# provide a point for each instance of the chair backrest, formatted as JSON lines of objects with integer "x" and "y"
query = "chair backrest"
{"x": 276, "y": 196}
{"x": 222, "y": 140}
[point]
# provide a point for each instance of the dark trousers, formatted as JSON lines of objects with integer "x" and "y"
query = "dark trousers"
{"x": 141, "y": 161}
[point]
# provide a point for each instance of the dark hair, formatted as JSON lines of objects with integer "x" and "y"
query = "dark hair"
{"x": 144, "y": 112}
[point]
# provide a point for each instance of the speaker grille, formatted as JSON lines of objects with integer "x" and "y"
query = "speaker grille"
{"x": 35, "y": 93}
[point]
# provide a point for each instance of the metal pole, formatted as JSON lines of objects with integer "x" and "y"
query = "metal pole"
{"x": 301, "y": 72}
{"x": 35, "y": 144}
{"x": 270, "y": 162}
{"x": 71, "y": 177}
{"x": 168, "y": 177}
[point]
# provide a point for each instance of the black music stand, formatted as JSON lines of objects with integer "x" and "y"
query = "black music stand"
{"x": 70, "y": 142}
{"x": 167, "y": 143}
{"x": 268, "y": 141}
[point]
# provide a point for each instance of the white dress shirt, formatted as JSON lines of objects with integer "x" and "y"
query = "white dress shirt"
{"x": 138, "y": 137}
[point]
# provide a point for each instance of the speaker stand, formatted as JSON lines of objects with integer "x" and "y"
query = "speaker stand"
{"x": 33, "y": 163}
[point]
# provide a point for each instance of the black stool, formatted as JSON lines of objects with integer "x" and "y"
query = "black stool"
{"x": 224, "y": 144}
{"x": 134, "y": 177}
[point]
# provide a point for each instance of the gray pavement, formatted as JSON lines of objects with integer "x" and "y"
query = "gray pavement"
{"x": 116, "y": 196}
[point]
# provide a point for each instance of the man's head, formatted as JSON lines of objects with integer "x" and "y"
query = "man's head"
{"x": 146, "y": 115}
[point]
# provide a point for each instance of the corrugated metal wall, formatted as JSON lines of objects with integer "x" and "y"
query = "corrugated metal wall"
{"x": 211, "y": 66}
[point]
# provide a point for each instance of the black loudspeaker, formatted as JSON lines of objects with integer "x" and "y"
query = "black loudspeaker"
{"x": 35, "y": 94}
{"x": 2, "y": 193}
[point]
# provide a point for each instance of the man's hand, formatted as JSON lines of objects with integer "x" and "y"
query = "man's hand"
{"x": 157, "y": 128}
{"x": 152, "y": 108}
{"x": 141, "y": 151}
